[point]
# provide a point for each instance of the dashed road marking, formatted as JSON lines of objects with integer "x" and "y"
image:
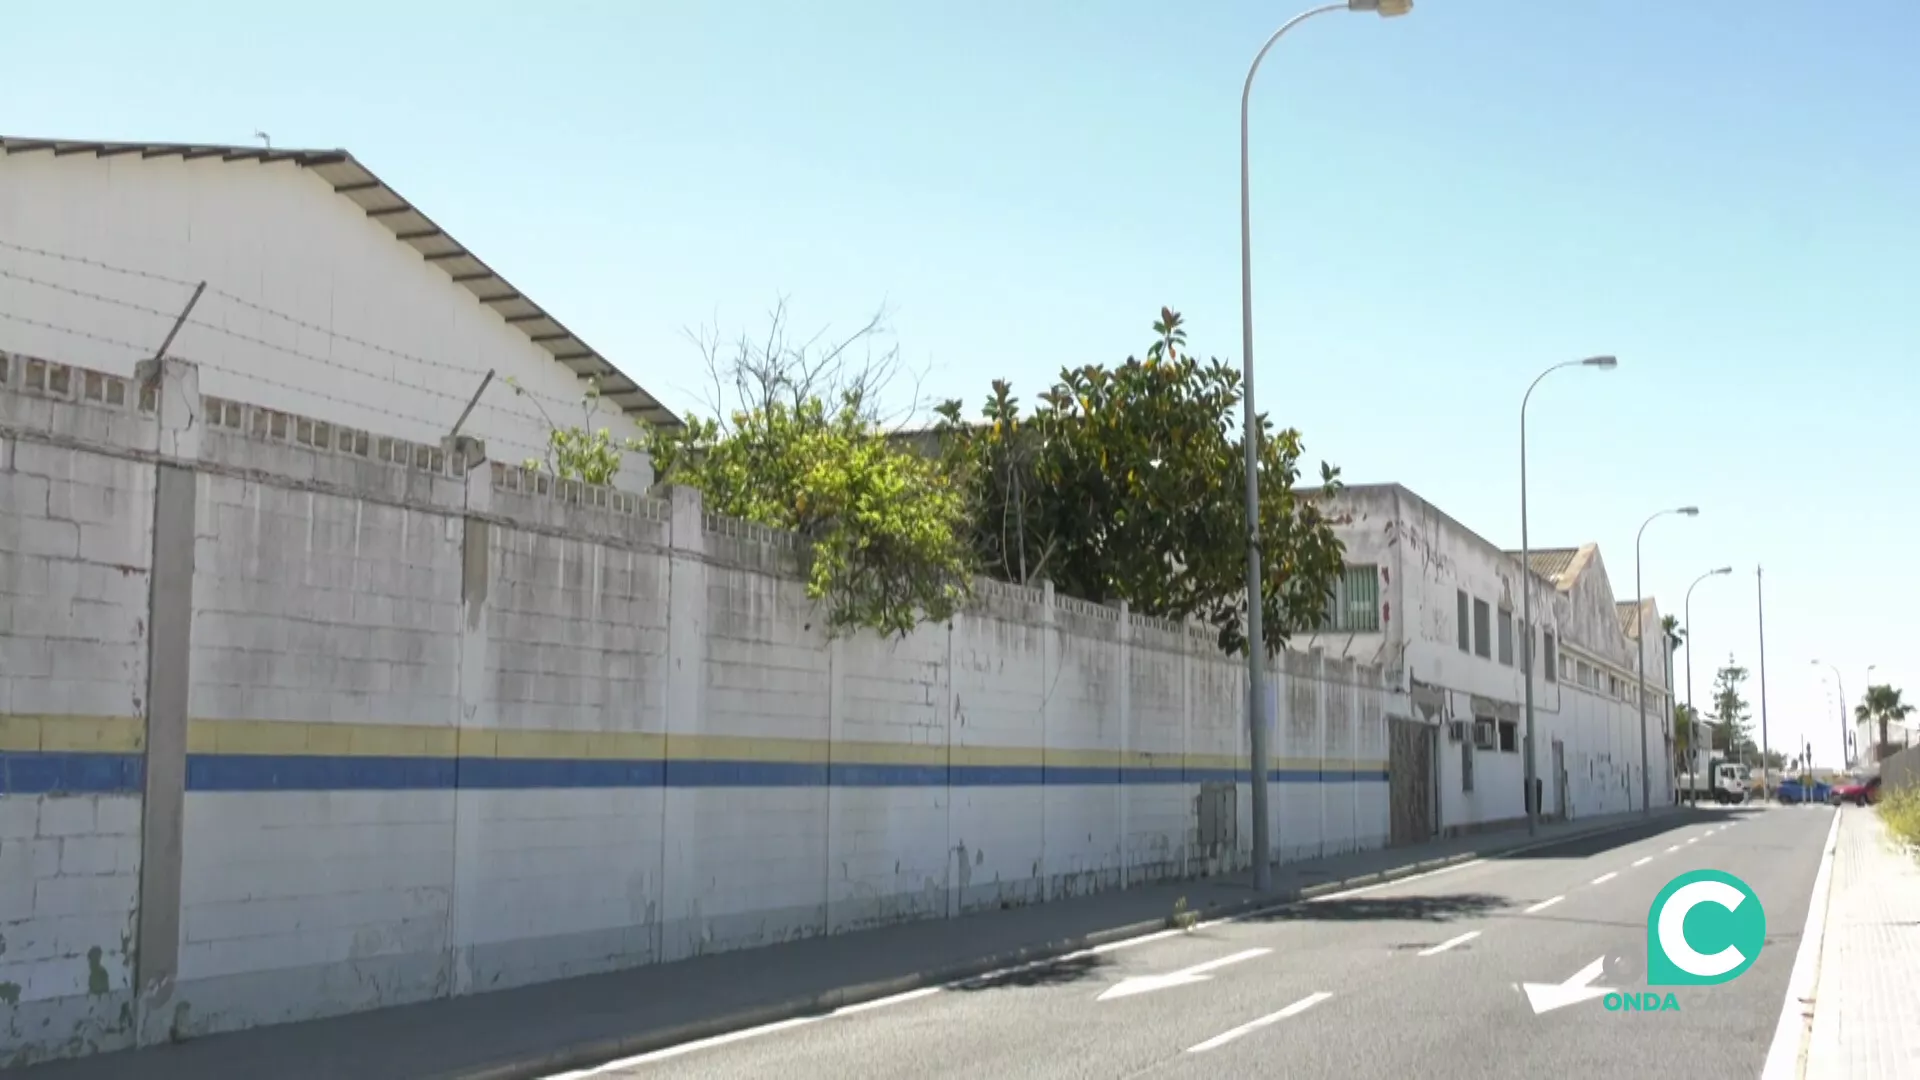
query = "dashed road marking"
{"x": 1544, "y": 904}
{"x": 1450, "y": 943}
{"x": 1606, "y": 877}
{"x": 1642, "y": 862}
{"x": 1226, "y": 1037}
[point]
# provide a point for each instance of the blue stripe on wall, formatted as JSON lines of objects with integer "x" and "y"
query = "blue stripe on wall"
{"x": 61, "y": 773}
{"x": 36, "y": 773}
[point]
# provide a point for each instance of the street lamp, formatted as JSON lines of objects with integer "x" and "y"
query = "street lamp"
{"x": 1841, "y": 683}
{"x": 1693, "y": 725}
{"x": 1640, "y": 632}
{"x": 1604, "y": 363}
{"x": 1256, "y": 636}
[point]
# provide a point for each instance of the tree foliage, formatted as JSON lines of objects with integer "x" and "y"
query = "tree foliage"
{"x": 1883, "y": 708}
{"x": 1128, "y": 483}
{"x": 1733, "y": 734}
{"x": 580, "y": 451}
{"x": 795, "y": 442}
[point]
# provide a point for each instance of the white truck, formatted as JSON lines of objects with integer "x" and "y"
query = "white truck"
{"x": 1712, "y": 777}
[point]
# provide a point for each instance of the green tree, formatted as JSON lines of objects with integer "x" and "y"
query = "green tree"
{"x": 801, "y": 447}
{"x": 1882, "y": 706}
{"x": 1128, "y": 483}
{"x": 1676, "y": 637}
{"x": 1733, "y": 733}
{"x": 580, "y": 451}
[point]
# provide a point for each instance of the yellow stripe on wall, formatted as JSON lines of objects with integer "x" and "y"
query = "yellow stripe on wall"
{"x": 57, "y": 733}
{"x": 126, "y": 734}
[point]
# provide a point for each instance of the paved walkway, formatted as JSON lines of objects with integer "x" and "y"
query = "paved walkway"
{"x": 538, "y": 1030}
{"x": 1866, "y": 1012}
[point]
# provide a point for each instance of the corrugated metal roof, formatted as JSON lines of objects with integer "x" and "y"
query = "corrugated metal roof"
{"x": 355, "y": 182}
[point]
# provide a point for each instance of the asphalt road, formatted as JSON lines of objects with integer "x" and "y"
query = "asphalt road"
{"x": 1418, "y": 977}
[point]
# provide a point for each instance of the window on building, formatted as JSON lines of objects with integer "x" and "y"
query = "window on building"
{"x": 1460, "y": 602}
{"x": 1585, "y": 676}
{"x": 1482, "y": 630}
{"x": 1547, "y": 653}
{"x": 1509, "y": 737}
{"x": 1466, "y": 764}
{"x": 1506, "y": 637}
{"x": 1613, "y": 684}
{"x": 1354, "y": 606}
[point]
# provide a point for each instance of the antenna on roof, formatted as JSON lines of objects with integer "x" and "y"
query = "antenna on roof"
{"x": 266, "y": 140}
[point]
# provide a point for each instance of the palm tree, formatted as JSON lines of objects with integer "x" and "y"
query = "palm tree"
{"x": 1882, "y": 705}
{"x": 1676, "y": 637}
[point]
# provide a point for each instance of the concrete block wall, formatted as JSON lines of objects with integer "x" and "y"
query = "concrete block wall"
{"x": 75, "y": 555}
{"x": 426, "y": 724}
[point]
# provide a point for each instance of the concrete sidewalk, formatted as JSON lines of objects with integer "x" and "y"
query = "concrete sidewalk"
{"x": 534, "y": 1031}
{"x": 1866, "y": 1002}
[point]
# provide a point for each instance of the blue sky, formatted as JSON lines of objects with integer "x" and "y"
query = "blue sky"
{"x": 1719, "y": 191}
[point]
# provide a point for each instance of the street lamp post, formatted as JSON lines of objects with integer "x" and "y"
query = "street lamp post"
{"x": 1604, "y": 363}
{"x": 1693, "y": 725}
{"x": 1640, "y": 632}
{"x": 1256, "y": 636}
{"x": 1840, "y": 682}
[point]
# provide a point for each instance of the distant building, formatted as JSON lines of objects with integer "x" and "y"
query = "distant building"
{"x": 1440, "y": 608}
{"x": 328, "y": 294}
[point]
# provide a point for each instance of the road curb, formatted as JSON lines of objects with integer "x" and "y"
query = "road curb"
{"x": 600, "y": 1051}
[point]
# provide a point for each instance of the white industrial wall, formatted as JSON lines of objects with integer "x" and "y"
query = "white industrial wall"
{"x": 311, "y": 306}
{"x": 453, "y": 728}
{"x": 74, "y": 550}
{"x": 1429, "y": 557}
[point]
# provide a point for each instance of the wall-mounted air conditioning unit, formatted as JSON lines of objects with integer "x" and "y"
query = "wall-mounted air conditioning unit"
{"x": 1485, "y": 735}
{"x": 1456, "y": 731}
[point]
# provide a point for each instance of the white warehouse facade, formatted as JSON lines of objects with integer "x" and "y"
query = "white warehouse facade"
{"x": 327, "y": 295}
{"x": 1440, "y": 610}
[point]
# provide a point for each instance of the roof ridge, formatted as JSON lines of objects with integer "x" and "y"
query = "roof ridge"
{"x": 353, "y": 181}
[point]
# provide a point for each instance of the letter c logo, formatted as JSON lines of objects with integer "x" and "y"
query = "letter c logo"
{"x": 1673, "y": 928}
{"x": 1739, "y": 929}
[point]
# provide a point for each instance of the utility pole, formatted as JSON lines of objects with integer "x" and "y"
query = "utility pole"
{"x": 1760, "y": 595}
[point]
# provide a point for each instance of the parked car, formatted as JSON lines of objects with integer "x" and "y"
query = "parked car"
{"x": 1792, "y": 791}
{"x": 1858, "y": 792}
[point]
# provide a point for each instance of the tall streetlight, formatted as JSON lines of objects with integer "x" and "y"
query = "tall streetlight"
{"x": 1256, "y": 636}
{"x": 1841, "y": 683}
{"x": 1640, "y": 632}
{"x": 1693, "y": 724}
{"x": 1604, "y": 363}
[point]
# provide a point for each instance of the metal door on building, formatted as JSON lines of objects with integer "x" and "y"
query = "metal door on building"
{"x": 1409, "y": 781}
{"x": 1559, "y": 780}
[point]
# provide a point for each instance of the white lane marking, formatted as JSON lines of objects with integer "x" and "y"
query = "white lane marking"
{"x": 1146, "y": 984}
{"x": 1606, "y": 877}
{"x": 1543, "y": 905}
{"x": 1693, "y": 839}
{"x": 1783, "y": 1056}
{"x": 1226, "y": 1037}
{"x": 1637, "y": 862}
{"x": 1450, "y": 943}
{"x": 1673, "y": 849}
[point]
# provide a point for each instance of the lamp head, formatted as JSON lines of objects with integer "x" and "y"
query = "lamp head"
{"x": 1604, "y": 363}
{"x": 1689, "y": 511}
{"x": 1386, "y": 9}
{"x": 1724, "y": 570}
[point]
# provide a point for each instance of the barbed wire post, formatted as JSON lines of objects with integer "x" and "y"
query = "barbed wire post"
{"x": 180, "y": 320}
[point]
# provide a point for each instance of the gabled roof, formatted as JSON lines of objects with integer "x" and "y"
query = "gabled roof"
{"x": 356, "y": 183}
{"x": 1561, "y": 566}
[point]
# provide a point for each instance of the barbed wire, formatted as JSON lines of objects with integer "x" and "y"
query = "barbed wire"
{"x": 300, "y": 353}
{"x": 84, "y": 261}
{"x": 268, "y": 311}
{"x": 144, "y": 350}
{"x": 413, "y": 421}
